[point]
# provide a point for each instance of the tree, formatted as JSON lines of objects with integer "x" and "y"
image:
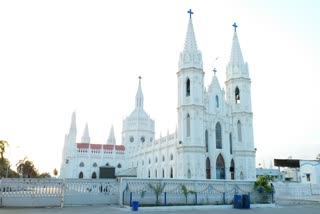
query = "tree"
{"x": 186, "y": 192}
{"x": 26, "y": 168}
{"x": 157, "y": 189}
{"x": 3, "y": 145}
{"x": 55, "y": 172}
{"x": 262, "y": 184}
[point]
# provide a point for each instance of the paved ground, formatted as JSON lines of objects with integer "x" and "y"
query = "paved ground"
{"x": 279, "y": 209}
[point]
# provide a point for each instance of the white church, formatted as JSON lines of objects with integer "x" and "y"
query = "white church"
{"x": 213, "y": 139}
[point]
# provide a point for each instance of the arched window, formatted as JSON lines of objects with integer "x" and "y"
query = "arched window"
{"x": 119, "y": 165}
{"x": 188, "y": 87}
{"x": 239, "y": 131}
{"x": 171, "y": 157}
{"x": 163, "y": 158}
{"x": 206, "y": 140}
{"x": 162, "y": 173}
{"x": 81, "y": 175}
{"x": 218, "y": 136}
{"x": 237, "y": 95}
{"x": 81, "y": 164}
{"x": 156, "y": 159}
{"x": 241, "y": 176}
{"x": 208, "y": 168}
{"x": 149, "y": 161}
{"x": 94, "y": 175}
{"x": 149, "y": 173}
{"x": 220, "y": 168}
{"x": 94, "y": 164}
{"x": 171, "y": 172}
{"x": 230, "y": 141}
{"x": 217, "y": 101}
{"x": 155, "y": 173}
{"x": 188, "y": 125}
{"x": 232, "y": 169}
{"x": 189, "y": 173}
{"x": 107, "y": 164}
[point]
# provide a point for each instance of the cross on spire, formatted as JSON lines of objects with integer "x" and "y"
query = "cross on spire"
{"x": 235, "y": 27}
{"x": 214, "y": 71}
{"x": 190, "y": 12}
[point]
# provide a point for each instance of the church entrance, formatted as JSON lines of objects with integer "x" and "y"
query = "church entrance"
{"x": 208, "y": 168}
{"x": 232, "y": 170}
{"x": 220, "y": 168}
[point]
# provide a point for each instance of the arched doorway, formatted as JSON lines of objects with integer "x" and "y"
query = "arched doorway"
{"x": 94, "y": 175}
{"x": 232, "y": 170}
{"x": 220, "y": 168}
{"x": 81, "y": 175}
{"x": 208, "y": 168}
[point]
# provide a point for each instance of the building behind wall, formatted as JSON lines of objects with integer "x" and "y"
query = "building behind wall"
{"x": 213, "y": 139}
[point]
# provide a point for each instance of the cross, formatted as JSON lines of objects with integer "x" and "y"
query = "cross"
{"x": 235, "y": 27}
{"x": 139, "y": 77}
{"x": 190, "y": 12}
{"x": 214, "y": 71}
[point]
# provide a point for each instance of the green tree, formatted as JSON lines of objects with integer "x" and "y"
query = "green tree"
{"x": 44, "y": 175}
{"x": 157, "y": 189}
{"x": 186, "y": 192}
{"x": 3, "y": 145}
{"x": 262, "y": 184}
{"x": 26, "y": 168}
{"x": 55, "y": 172}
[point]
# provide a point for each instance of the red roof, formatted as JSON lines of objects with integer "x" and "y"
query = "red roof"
{"x": 108, "y": 147}
{"x": 100, "y": 146}
{"x": 82, "y": 145}
{"x": 95, "y": 146}
{"x": 120, "y": 147}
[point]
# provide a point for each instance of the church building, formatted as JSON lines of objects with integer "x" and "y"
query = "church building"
{"x": 213, "y": 139}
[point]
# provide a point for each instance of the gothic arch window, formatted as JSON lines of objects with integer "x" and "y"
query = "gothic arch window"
{"x": 206, "y": 140}
{"x": 220, "y": 168}
{"x": 189, "y": 173}
{"x": 171, "y": 157}
{"x": 81, "y": 175}
{"x": 208, "y": 168}
{"x": 162, "y": 173}
{"x": 232, "y": 170}
{"x": 163, "y": 158}
{"x": 149, "y": 161}
{"x": 81, "y": 164}
{"x": 149, "y": 173}
{"x": 156, "y": 159}
{"x": 155, "y": 173}
{"x": 230, "y": 141}
{"x": 119, "y": 165}
{"x": 171, "y": 172}
{"x": 239, "y": 131}
{"x": 218, "y": 136}
{"x": 188, "y": 125}
{"x": 107, "y": 164}
{"x": 217, "y": 101}
{"x": 241, "y": 176}
{"x": 188, "y": 87}
{"x": 94, "y": 164}
{"x": 94, "y": 175}
{"x": 237, "y": 95}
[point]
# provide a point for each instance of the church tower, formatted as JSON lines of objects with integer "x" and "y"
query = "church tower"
{"x": 191, "y": 147}
{"x": 238, "y": 89}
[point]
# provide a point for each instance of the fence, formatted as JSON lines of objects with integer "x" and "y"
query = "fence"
{"x": 196, "y": 192}
{"x": 65, "y": 192}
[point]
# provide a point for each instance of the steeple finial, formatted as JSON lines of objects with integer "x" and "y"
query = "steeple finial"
{"x": 85, "y": 137}
{"x": 235, "y": 27}
{"x": 139, "y": 95}
{"x": 190, "y": 13}
{"x": 111, "y": 139}
{"x": 73, "y": 125}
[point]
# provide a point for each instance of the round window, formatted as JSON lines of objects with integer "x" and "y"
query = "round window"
{"x": 142, "y": 139}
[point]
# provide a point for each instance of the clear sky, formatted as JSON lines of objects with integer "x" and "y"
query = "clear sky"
{"x": 61, "y": 56}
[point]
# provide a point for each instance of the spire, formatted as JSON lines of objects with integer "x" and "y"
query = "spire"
{"x": 111, "y": 138}
{"x": 139, "y": 96}
{"x": 236, "y": 54}
{"x": 73, "y": 126}
{"x": 190, "y": 57}
{"x": 85, "y": 137}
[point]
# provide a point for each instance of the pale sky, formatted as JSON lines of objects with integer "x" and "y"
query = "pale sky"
{"x": 61, "y": 56}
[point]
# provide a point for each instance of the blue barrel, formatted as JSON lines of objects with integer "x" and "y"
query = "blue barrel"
{"x": 237, "y": 201}
{"x": 246, "y": 201}
{"x": 135, "y": 205}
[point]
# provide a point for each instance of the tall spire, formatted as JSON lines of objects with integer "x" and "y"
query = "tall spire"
{"x": 190, "y": 57}
{"x": 236, "y": 54}
{"x": 111, "y": 138}
{"x": 139, "y": 96}
{"x": 85, "y": 137}
{"x": 73, "y": 126}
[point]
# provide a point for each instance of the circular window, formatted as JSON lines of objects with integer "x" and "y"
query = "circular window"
{"x": 142, "y": 139}
{"x": 131, "y": 139}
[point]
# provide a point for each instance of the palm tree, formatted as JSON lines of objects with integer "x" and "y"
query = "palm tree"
{"x": 26, "y": 168}
{"x": 3, "y": 145}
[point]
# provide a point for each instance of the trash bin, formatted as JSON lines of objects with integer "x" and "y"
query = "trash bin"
{"x": 237, "y": 201}
{"x": 246, "y": 201}
{"x": 135, "y": 205}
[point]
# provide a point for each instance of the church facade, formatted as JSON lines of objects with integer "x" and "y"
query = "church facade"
{"x": 213, "y": 139}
